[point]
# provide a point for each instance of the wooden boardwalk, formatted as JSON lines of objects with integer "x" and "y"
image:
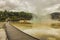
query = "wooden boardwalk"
{"x": 15, "y": 34}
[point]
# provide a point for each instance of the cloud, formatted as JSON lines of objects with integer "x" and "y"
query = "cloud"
{"x": 35, "y": 6}
{"x": 53, "y": 8}
{"x": 16, "y": 5}
{"x": 2, "y": 3}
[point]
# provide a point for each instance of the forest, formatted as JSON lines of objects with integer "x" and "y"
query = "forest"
{"x": 15, "y": 16}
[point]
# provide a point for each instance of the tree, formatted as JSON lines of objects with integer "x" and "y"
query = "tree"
{"x": 2, "y": 16}
{"x": 15, "y": 16}
{"x": 55, "y": 16}
{"x": 25, "y": 16}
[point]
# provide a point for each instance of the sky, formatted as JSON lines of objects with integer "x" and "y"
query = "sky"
{"x": 41, "y": 7}
{"x": 16, "y": 5}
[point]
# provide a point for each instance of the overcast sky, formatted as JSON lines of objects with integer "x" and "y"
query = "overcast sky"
{"x": 35, "y": 6}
